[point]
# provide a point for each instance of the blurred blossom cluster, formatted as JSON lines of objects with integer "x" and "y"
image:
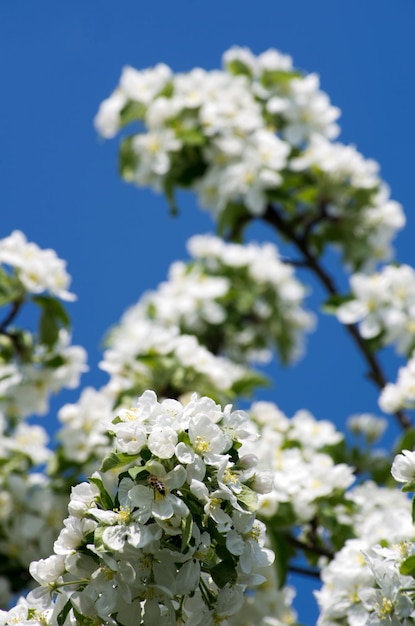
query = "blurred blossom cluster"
{"x": 256, "y": 133}
{"x": 231, "y": 305}
{"x": 383, "y": 304}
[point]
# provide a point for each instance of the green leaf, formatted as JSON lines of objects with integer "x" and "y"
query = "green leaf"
{"x": 169, "y": 188}
{"x": 189, "y": 166}
{"x": 105, "y": 497}
{"x": 248, "y": 498}
{"x": 53, "y": 317}
{"x": 224, "y": 573}
{"x": 251, "y": 380}
{"x": 113, "y": 460}
{"x": 56, "y": 362}
{"x": 413, "y": 511}
{"x": 127, "y": 159}
{"x": 98, "y": 537}
{"x": 407, "y": 567}
{"x": 64, "y": 613}
{"x": 236, "y": 66}
{"x": 333, "y": 302}
{"x": 138, "y": 473}
{"x": 308, "y": 195}
{"x": 406, "y": 442}
{"x": 187, "y": 527}
{"x": 11, "y": 289}
{"x": 271, "y": 77}
{"x": 191, "y": 136}
{"x": 409, "y": 486}
{"x": 48, "y": 329}
{"x": 132, "y": 112}
{"x": 283, "y": 552}
{"x": 55, "y": 308}
{"x": 233, "y": 219}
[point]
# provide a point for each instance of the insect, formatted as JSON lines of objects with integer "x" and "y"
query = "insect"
{"x": 157, "y": 484}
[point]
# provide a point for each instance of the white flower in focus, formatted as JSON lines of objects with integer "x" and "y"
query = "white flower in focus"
{"x": 403, "y": 467}
{"x": 157, "y": 500}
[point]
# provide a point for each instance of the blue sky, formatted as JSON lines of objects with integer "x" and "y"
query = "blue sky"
{"x": 59, "y": 182}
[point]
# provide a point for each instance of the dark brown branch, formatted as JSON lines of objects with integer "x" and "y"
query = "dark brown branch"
{"x": 306, "y": 546}
{"x": 14, "y": 309}
{"x": 273, "y": 218}
{"x": 304, "y": 571}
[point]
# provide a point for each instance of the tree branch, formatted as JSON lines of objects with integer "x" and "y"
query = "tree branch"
{"x": 304, "y": 571}
{"x": 273, "y": 218}
{"x": 310, "y": 547}
{"x": 14, "y": 309}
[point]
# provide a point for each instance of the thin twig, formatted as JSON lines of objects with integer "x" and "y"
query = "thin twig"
{"x": 310, "y": 547}
{"x": 304, "y": 571}
{"x": 14, "y": 309}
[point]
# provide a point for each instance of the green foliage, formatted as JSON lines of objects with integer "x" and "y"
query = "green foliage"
{"x": 224, "y": 573}
{"x": 407, "y": 567}
{"x": 53, "y": 317}
{"x": 11, "y": 289}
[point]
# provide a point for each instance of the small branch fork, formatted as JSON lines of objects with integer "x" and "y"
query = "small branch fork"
{"x": 310, "y": 261}
{"x": 14, "y": 309}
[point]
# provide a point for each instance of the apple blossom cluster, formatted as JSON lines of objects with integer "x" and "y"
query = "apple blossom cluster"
{"x": 383, "y": 306}
{"x": 37, "y": 270}
{"x": 241, "y": 301}
{"x": 165, "y": 532}
{"x": 376, "y": 511}
{"x": 294, "y": 452}
{"x": 370, "y": 581}
{"x": 34, "y": 364}
{"x": 255, "y": 134}
{"x": 392, "y": 598}
{"x": 364, "y": 586}
{"x": 268, "y": 604}
{"x": 370, "y": 427}
{"x": 356, "y": 213}
{"x": 26, "y": 385}
{"x": 144, "y": 353}
{"x": 31, "y": 514}
{"x": 21, "y": 449}
{"x": 83, "y": 438}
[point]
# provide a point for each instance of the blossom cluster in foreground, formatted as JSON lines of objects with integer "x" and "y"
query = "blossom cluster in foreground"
{"x": 165, "y": 532}
{"x": 370, "y": 581}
